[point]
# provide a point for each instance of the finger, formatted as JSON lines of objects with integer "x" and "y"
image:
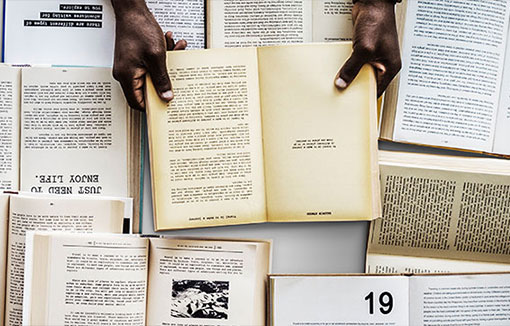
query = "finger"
{"x": 156, "y": 67}
{"x": 349, "y": 70}
{"x": 181, "y": 45}
{"x": 385, "y": 74}
{"x": 132, "y": 84}
{"x": 170, "y": 43}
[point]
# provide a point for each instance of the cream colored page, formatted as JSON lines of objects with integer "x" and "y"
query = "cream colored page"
{"x": 393, "y": 264}
{"x": 93, "y": 278}
{"x": 206, "y": 283}
{"x": 482, "y": 300}
{"x": 443, "y": 214}
{"x": 317, "y": 140}
{"x": 339, "y": 300}
{"x": 206, "y": 145}
{"x": 10, "y": 79}
{"x": 4, "y": 217}
{"x": 74, "y": 132}
{"x": 242, "y": 23}
{"x": 332, "y": 20}
{"x": 57, "y": 213}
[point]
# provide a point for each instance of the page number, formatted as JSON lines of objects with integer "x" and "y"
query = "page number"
{"x": 385, "y": 302}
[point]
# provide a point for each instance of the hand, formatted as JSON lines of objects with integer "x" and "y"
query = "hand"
{"x": 140, "y": 48}
{"x": 375, "y": 41}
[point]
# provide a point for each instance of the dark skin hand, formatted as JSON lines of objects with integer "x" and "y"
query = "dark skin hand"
{"x": 140, "y": 48}
{"x": 375, "y": 41}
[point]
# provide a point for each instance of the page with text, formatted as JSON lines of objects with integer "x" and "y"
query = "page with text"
{"x": 10, "y": 90}
{"x": 332, "y": 20}
{"x": 86, "y": 279}
{"x": 206, "y": 145}
{"x": 74, "y": 132}
{"x": 195, "y": 282}
{"x": 50, "y": 214}
{"x": 482, "y": 300}
{"x": 453, "y": 67}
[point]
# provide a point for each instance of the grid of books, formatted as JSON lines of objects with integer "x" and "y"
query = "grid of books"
{"x": 257, "y": 133}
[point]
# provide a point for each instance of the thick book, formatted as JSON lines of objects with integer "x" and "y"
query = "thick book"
{"x": 262, "y": 134}
{"x": 441, "y": 214}
{"x": 68, "y": 131}
{"x": 84, "y": 279}
{"x": 453, "y": 88}
{"x": 397, "y": 300}
{"x": 65, "y": 33}
{"x": 22, "y": 213}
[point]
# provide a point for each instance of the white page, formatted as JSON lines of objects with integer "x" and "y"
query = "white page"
{"x": 74, "y": 132}
{"x": 332, "y": 20}
{"x": 384, "y": 264}
{"x": 99, "y": 277}
{"x": 338, "y": 300}
{"x": 482, "y": 300}
{"x": 10, "y": 79}
{"x": 185, "y": 18}
{"x": 501, "y": 143}
{"x": 59, "y": 45}
{"x": 449, "y": 84}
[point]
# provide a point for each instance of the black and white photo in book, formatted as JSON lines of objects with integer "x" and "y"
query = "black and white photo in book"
{"x": 200, "y": 299}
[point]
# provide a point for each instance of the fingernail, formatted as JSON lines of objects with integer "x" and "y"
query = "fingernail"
{"x": 340, "y": 83}
{"x": 168, "y": 95}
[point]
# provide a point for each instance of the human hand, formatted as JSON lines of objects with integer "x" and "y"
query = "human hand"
{"x": 375, "y": 41}
{"x": 140, "y": 48}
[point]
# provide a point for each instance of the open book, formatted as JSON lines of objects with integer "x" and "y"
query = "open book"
{"x": 22, "y": 213}
{"x": 453, "y": 90}
{"x": 66, "y": 33}
{"x": 441, "y": 214}
{"x": 397, "y": 300}
{"x": 68, "y": 131}
{"x": 158, "y": 281}
{"x": 318, "y": 157}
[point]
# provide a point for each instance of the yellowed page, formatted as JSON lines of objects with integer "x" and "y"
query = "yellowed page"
{"x": 205, "y": 282}
{"x": 446, "y": 214}
{"x": 89, "y": 278}
{"x": 319, "y": 143}
{"x": 206, "y": 145}
{"x": 4, "y": 218}
{"x": 10, "y": 79}
{"x": 393, "y": 264}
{"x": 74, "y": 132}
{"x": 50, "y": 213}
{"x": 332, "y": 20}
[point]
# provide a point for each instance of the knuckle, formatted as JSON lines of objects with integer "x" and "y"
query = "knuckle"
{"x": 156, "y": 52}
{"x": 367, "y": 48}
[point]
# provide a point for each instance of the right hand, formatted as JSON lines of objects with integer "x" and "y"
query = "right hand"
{"x": 140, "y": 48}
{"x": 375, "y": 41}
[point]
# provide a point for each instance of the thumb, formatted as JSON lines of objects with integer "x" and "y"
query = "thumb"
{"x": 349, "y": 71}
{"x": 158, "y": 72}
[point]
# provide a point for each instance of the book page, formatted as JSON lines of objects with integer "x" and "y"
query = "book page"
{"x": 243, "y": 23}
{"x": 482, "y": 300}
{"x": 10, "y": 80}
{"x": 74, "y": 132}
{"x": 393, "y": 264}
{"x": 197, "y": 282}
{"x": 206, "y": 145}
{"x": 332, "y": 20}
{"x": 4, "y": 220}
{"x": 47, "y": 214}
{"x": 452, "y": 72}
{"x": 71, "y": 32}
{"x": 443, "y": 214}
{"x": 319, "y": 143}
{"x": 339, "y": 300}
{"x": 186, "y": 19}
{"x": 502, "y": 133}
{"x": 86, "y": 280}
